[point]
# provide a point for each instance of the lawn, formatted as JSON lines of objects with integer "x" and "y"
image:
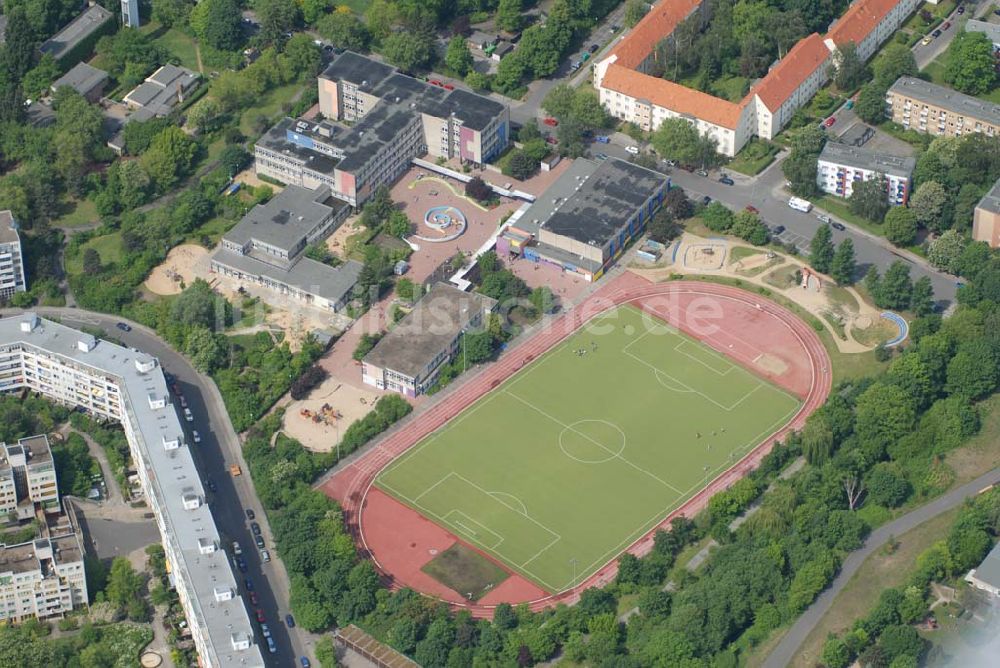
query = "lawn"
{"x": 108, "y": 246}
{"x": 557, "y": 471}
{"x": 730, "y": 88}
{"x": 935, "y": 71}
{"x": 268, "y": 105}
{"x": 77, "y": 213}
{"x": 181, "y": 46}
{"x": 466, "y": 571}
{"x": 754, "y": 158}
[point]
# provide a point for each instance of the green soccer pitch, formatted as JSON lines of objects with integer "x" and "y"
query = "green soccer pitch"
{"x": 558, "y": 470}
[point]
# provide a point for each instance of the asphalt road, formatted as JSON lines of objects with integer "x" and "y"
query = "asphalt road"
{"x": 787, "y": 649}
{"x": 219, "y": 447}
{"x": 925, "y": 53}
{"x": 766, "y": 193}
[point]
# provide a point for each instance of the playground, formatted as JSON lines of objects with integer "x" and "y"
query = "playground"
{"x": 319, "y": 420}
{"x": 616, "y": 427}
{"x": 447, "y": 222}
{"x": 184, "y": 263}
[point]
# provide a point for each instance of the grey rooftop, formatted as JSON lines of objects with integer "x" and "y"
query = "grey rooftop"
{"x": 863, "y": 158}
{"x": 286, "y": 219}
{"x": 77, "y": 30}
{"x": 82, "y": 78}
{"x": 946, "y": 98}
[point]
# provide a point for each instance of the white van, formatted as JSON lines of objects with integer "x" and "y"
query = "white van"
{"x": 800, "y": 204}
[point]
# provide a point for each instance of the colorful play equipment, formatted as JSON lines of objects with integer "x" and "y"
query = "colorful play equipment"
{"x": 327, "y": 415}
{"x": 444, "y": 219}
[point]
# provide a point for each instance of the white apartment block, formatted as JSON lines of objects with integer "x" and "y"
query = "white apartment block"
{"x": 27, "y": 478}
{"x": 840, "y": 166}
{"x": 119, "y": 384}
{"x": 12, "y": 276}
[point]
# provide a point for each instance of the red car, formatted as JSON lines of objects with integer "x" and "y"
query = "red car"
{"x": 751, "y": 208}
{"x": 434, "y": 82}
{"x": 260, "y": 615}
{"x": 830, "y": 121}
{"x": 947, "y": 24}
{"x": 448, "y": 87}
{"x": 551, "y": 121}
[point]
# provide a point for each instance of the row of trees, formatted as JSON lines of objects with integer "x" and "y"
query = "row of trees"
{"x": 837, "y": 261}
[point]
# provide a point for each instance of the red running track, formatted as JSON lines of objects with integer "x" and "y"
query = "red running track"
{"x": 735, "y": 322}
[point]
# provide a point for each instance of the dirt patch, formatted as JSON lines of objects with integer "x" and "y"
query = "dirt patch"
{"x": 771, "y": 364}
{"x": 348, "y": 401}
{"x": 705, "y": 256}
{"x": 183, "y": 264}
{"x": 877, "y": 331}
{"x": 466, "y": 571}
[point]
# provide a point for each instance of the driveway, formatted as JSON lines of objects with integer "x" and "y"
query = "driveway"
{"x": 925, "y": 53}
{"x": 220, "y": 447}
{"x": 788, "y": 647}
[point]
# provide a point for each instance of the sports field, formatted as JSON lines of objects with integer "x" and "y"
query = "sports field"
{"x": 558, "y": 470}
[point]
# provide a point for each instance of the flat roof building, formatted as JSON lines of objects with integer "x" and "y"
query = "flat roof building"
{"x": 76, "y": 39}
{"x": 161, "y": 92}
{"x": 12, "y": 275}
{"x": 116, "y": 383}
{"x": 840, "y": 166}
{"x": 266, "y": 248}
{"x": 27, "y": 478}
{"x": 583, "y": 222}
{"x": 393, "y": 118}
{"x": 85, "y": 79}
{"x": 987, "y": 575}
{"x": 986, "y": 218}
{"x": 408, "y": 359}
{"x": 925, "y": 107}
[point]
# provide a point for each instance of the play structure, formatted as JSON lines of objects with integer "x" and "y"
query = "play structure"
{"x": 449, "y": 221}
{"x": 810, "y": 279}
{"x": 327, "y": 414}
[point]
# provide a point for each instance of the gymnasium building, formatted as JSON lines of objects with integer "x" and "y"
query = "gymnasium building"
{"x": 586, "y": 218}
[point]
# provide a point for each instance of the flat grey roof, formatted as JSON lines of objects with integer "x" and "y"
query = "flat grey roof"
{"x": 381, "y": 126}
{"x": 440, "y": 315}
{"x": 159, "y": 93}
{"x": 8, "y": 233}
{"x": 305, "y": 274}
{"x": 946, "y": 98}
{"x": 991, "y": 200}
{"x": 863, "y": 158}
{"x": 82, "y": 78}
{"x": 365, "y": 73}
{"x": 285, "y": 220}
{"x": 276, "y": 140}
{"x": 592, "y": 200}
{"x": 989, "y": 570}
{"x": 79, "y": 29}
{"x": 174, "y": 475}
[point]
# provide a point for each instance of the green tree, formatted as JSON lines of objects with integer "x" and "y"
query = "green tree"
{"x": 896, "y": 289}
{"x": 124, "y": 583}
{"x": 870, "y": 105}
{"x": 969, "y": 64}
{"x": 37, "y": 80}
{"x": 477, "y": 80}
{"x": 171, "y": 13}
{"x": 634, "y": 11}
{"x": 345, "y": 30}
{"x": 817, "y": 440}
{"x": 931, "y": 204}
{"x": 170, "y": 156}
{"x": 458, "y": 58}
{"x": 900, "y": 226}
{"x": 842, "y": 265}
{"x": 218, "y": 23}
{"x": 678, "y": 139}
{"x": 886, "y": 485}
{"x": 851, "y": 70}
{"x": 896, "y": 60}
{"x": 946, "y": 251}
{"x": 868, "y": 199}
{"x": 717, "y": 217}
{"x": 314, "y": 10}
{"x": 821, "y": 249}
{"x": 521, "y": 166}
{"x": 276, "y": 17}
{"x": 922, "y": 297}
{"x": 974, "y": 371}
{"x": 509, "y": 15}
{"x": 663, "y": 227}
{"x": 800, "y": 170}
{"x": 558, "y": 103}
{"x": 748, "y": 226}
{"x": 883, "y": 413}
{"x": 587, "y": 109}
{"x": 408, "y": 51}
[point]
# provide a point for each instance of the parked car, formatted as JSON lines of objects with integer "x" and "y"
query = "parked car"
{"x": 260, "y": 616}
{"x": 672, "y": 163}
{"x": 124, "y": 326}
{"x": 241, "y": 564}
{"x": 434, "y": 82}
{"x": 271, "y": 647}
{"x": 751, "y": 208}
{"x": 265, "y": 630}
{"x": 304, "y": 661}
{"x": 196, "y": 436}
{"x": 850, "y": 104}
{"x": 265, "y": 556}
{"x": 828, "y": 123}
{"x": 183, "y": 401}
{"x": 602, "y": 139}
{"x": 838, "y": 226}
{"x": 249, "y": 583}
{"x": 634, "y": 150}
{"x": 706, "y": 200}
{"x": 726, "y": 180}
{"x": 702, "y": 172}
{"x": 187, "y": 415}
{"x": 237, "y": 550}
{"x": 254, "y": 599}
{"x": 551, "y": 122}
{"x": 936, "y": 33}
{"x": 593, "y": 48}
{"x": 601, "y": 156}
{"x": 777, "y": 230}
{"x": 945, "y": 25}
{"x": 574, "y": 66}
{"x": 211, "y": 485}
{"x": 260, "y": 541}
{"x": 448, "y": 86}
{"x": 290, "y": 621}
{"x": 255, "y": 528}
{"x": 927, "y": 40}
{"x": 250, "y": 514}
{"x": 823, "y": 218}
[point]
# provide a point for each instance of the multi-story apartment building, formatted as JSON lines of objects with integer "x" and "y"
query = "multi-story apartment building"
{"x": 115, "y": 383}
{"x": 986, "y": 218}
{"x": 840, "y": 166}
{"x": 925, "y": 107}
{"x": 27, "y": 478}
{"x": 629, "y": 90}
{"x": 43, "y": 577}
{"x": 12, "y": 277}
{"x": 408, "y": 359}
{"x": 266, "y": 248}
{"x": 389, "y": 119}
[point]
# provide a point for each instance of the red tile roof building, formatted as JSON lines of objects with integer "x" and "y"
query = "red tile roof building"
{"x": 629, "y": 92}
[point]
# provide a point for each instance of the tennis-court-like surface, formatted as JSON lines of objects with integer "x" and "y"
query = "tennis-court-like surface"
{"x": 558, "y": 470}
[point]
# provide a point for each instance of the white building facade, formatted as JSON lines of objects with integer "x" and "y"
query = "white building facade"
{"x": 12, "y": 276}
{"x": 839, "y": 167}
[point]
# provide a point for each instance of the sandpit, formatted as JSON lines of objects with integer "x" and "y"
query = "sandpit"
{"x": 350, "y": 402}
{"x": 705, "y": 256}
{"x": 752, "y": 262}
{"x": 183, "y": 264}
